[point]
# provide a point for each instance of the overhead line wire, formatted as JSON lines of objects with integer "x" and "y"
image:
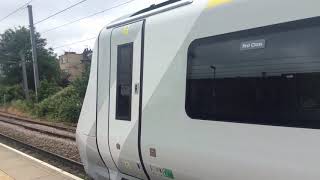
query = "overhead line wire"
{"x": 16, "y": 10}
{"x": 59, "y": 12}
{"x": 91, "y": 15}
{"x": 76, "y": 42}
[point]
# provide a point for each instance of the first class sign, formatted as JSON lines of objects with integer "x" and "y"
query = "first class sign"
{"x": 250, "y": 45}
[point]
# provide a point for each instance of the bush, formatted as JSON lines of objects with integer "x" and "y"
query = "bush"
{"x": 63, "y": 106}
{"x": 47, "y": 89}
{"x": 54, "y": 103}
{"x": 22, "y": 105}
{"x": 11, "y": 93}
{"x": 81, "y": 83}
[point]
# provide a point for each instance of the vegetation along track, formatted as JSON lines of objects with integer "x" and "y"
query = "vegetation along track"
{"x": 42, "y": 127}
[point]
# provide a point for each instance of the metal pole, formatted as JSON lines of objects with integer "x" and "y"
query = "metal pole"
{"x": 24, "y": 75}
{"x": 34, "y": 51}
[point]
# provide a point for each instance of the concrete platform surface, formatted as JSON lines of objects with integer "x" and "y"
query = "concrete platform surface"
{"x": 4, "y": 176}
{"x": 15, "y": 165}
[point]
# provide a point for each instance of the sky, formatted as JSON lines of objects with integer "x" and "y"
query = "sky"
{"x": 81, "y": 30}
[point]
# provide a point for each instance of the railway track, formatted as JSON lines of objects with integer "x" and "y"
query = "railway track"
{"x": 11, "y": 116}
{"x": 64, "y": 163}
{"x": 41, "y": 147}
{"x": 42, "y": 127}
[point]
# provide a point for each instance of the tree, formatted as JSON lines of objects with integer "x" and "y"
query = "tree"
{"x": 81, "y": 83}
{"x": 13, "y": 41}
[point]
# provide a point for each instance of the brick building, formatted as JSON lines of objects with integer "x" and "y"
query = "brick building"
{"x": 73, "y": 64}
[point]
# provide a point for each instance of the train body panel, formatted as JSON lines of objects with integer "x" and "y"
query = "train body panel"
{"x": 124, "y": 98}
{"x": 87, "y": 131}
{"x": 103, "y": 100}
{"x": 202, "y": 47}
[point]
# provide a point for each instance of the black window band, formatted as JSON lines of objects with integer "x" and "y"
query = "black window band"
{"x": 268, "y": 75}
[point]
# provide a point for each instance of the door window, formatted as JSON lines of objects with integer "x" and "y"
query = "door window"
{"x": 124, "y": 81}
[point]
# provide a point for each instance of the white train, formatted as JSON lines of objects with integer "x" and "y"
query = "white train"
{"x": 206, "y": 90}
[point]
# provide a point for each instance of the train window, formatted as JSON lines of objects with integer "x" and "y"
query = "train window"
{"x": 124, "y": 81}
{"x": 268, "y": 76}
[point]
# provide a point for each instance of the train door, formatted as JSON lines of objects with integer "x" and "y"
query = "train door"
{"x": 125, "y": 98}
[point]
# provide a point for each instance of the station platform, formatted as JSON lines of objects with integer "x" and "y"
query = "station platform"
{"x": 15, "y": 165}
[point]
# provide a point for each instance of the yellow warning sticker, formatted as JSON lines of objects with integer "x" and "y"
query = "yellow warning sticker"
{"x": 125, "y": 30}
{"x": 215, "y": 3}
{"x": 126, "y": 164}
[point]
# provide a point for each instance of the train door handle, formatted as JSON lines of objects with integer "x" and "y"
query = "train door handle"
{"x": 136, "y": 88}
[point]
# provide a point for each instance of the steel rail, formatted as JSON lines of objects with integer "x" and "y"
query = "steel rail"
{"x": 73, "y": 138}
{"x": 11, "y": 116}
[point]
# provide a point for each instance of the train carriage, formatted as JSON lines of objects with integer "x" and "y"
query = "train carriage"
{"x": 205, "y": 89}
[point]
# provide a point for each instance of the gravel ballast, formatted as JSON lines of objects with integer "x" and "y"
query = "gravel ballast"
{"x": 61, "y": 146}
